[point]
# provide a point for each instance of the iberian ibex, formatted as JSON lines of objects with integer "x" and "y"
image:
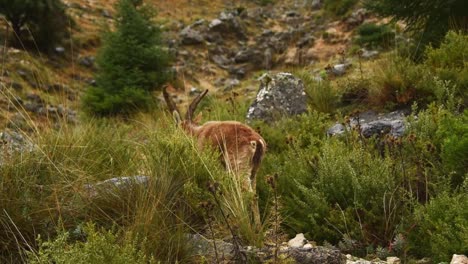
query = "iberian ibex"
{"x": 242, "y": 149}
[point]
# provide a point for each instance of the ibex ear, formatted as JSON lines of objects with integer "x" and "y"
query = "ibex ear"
{"x": 176, "y": 117}
{"x": 198, "y": 118}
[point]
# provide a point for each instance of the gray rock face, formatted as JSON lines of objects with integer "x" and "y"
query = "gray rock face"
{"x": 317, "y": 255}
{"x": 190, "y": 36}
{"x": 279, "y": 94}
{"x": 248, "y": 54}
{"x": 310, "y": 254}
{"x": 316, "y": 4}
{"x": 372, "y": 124}
{"x": 87, "y": 61}
{"x": 11, "y": 141}
{"x": 228, "y": 23}
{"x": 338, "y": 69}
{"x": 116, "y": 184}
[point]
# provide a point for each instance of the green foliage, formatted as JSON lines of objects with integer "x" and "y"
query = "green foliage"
{"x": 440, "y": 227}
{"x": 399, "y": 81}
{"x": 131, "y": 64}
{"x": 429, "y": 20}
{"x": 338, "y": 7}
{"x": 321, "y": 94}
{"x": 449, "y": 62}
{"x": 341, "y": 194}
{"x": 451, "y": 53}
{"x": 45, "y": 19}
{"x": 360, "y": 193}
{"x": 454, "y": 146}
{"x": 373, "y": 35}
{"x": 100, "y": 246}
{"x": 442, "y": 76}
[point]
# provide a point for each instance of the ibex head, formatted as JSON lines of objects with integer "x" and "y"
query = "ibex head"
{"x": 189, "y": 119}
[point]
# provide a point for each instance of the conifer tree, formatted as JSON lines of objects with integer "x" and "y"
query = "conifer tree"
{"x": 131, "y": 63}
{"x": 429, "y": 19}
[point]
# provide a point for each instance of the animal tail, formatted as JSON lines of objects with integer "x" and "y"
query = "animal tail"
{"x": 260, "y": 148}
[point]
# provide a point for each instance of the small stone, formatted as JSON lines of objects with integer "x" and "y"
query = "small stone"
{"x": 298, "y": 241}
{"x": 194, "y": 91}
{"x": 105, "y": 13}
{"x": 459, "y": 259}
{"x": 60, "y": 49}
{"x": 393, "y": 260}
{"x": 308, "y": 246}
{"x": 368, "y": 54}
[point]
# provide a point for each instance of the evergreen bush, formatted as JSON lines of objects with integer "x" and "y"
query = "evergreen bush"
{"x": 45, "y": 19}
{"x": 131, "y": 64}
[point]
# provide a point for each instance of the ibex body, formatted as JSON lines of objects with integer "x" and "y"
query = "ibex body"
{"x": 242, "y": 149}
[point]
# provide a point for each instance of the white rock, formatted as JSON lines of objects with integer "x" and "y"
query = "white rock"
{"x": 393, "y": 260}
{"x": 308, "y": 246}
{"x": 459, "y": 259}
{"x": 298, "y": 241}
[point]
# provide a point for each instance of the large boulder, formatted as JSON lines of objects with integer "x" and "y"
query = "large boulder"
{"x": 279, "y": 94}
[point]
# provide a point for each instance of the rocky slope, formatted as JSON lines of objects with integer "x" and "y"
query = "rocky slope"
{"x": 219, "y": 46}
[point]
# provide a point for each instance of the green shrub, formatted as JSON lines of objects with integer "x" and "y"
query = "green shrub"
{"x": 100, "y": 246}
{"x": 356, "y": 91}
{"x": 373, "y": 35}
{"x": 46, "y": 21}
{"x": 321, "y": 94}
{"x": 131, "y": 64}
{"x": 399, "y": 81}
{"x": 338, "y": 7}
{"x": 448, "y": 62}
{"x": 440, "y": 227}
{"x": 341, "y": 194}
{"x": 454, "y": 147}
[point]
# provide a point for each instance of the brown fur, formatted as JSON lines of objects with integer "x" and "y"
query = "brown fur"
{"x": 241, "y": 147}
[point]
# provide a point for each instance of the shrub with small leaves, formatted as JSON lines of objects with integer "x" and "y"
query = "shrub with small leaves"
{"x": 100, "y": 247}
{"x": 131, "y": 64}
{"x": 372, "y": 35}
{"x": 441, "y": 227}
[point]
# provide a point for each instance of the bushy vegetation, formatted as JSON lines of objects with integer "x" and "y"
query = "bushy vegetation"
{"x": 376, "y": 197}
{"x": 372, "y": 35}
{"x": 321, "y": 94}
{"x": 364, "y": 194}
{"x": 131, "y": 64}
{"x": 338, "y": 7}
{"x": 441, "y": 75}
{"x": 46, "y": 22}
{"x": 101, "y": 246}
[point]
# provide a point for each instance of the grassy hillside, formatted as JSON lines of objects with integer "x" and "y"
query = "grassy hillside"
{"x": 371, "y": 197}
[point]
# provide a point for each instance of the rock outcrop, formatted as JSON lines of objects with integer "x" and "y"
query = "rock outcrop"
{"x": 371, "y": 123}
{"x": 279, "y": 95}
